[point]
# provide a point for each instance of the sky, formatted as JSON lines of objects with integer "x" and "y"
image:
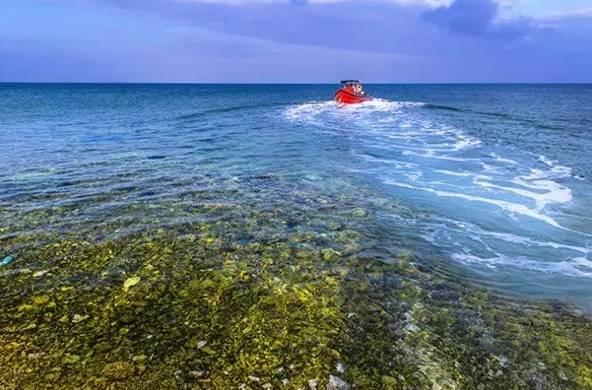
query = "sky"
{"x": 257, "y": 41}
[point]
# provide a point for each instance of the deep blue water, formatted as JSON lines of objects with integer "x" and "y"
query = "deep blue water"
{"x": 494, "y": 179}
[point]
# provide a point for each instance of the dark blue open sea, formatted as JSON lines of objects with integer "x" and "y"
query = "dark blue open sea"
{"x": 484, "y": 185}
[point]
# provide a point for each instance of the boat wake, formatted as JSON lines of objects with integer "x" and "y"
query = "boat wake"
{"x": 310, "y": 112}
{"x": 486, "y": 205}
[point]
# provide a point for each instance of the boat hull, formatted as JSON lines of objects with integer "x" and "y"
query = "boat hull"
{"x": 344, "y": 97}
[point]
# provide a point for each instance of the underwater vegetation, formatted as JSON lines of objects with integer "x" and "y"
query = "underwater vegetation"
{"x": 258, "y": 295}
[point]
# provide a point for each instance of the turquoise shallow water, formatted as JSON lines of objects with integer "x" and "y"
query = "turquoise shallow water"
{"x": 491, "y": 182}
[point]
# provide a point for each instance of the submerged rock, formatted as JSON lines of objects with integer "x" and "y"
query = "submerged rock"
{"x": 79, "y": 318}
{"x": 38, "y": 274}
{"x": 330, "y": 254}
{"x": 389, "y": 382}
{"x": 359, "y": 213}
{"x": 131, "y": 282}
{"x": 71, "y": 359}
{"x": 336, "y": 383}
{"x": 6, "y": 261}
{"x": 41, "y": 300}
{"x": 281, "y": 310}
{"x": 119, "y": 370}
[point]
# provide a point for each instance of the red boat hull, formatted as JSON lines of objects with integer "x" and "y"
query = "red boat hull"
{"x": 345, "y": 97}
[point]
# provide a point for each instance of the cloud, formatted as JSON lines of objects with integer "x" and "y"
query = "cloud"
{"x": 380, "y": 40}
{"x": 579, "y": 13}
{"x": 465, "y": 16}
{"x": 479, "y": 18}
{"x": 373, "y": 26}
{"x": 420, "y": 3}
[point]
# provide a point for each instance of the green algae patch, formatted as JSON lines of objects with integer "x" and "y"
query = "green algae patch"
{"x": 196, "y": 309}
{"x": 131, "y": 282}
{"x": 190, "y": 315}
{"x": 330, "y": 254}
{"x": 118, "y": 371}
{"x": 422, "y": 332}
{"x": 71, "y": 359}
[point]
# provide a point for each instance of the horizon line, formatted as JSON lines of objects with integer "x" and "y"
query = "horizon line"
{"x": 299, "y": 83}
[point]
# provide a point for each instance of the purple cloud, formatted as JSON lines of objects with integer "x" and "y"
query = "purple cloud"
{"x": 471, "y": 17}
{"x": 379, "y": 40}
{"x": 479, "y": 18}
{"x": 376, "y": 26}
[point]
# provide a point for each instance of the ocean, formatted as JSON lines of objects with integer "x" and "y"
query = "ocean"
{"x": 484, "y": 188}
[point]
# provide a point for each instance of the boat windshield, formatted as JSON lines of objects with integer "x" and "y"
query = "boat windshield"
{"x": 354, "y": 84}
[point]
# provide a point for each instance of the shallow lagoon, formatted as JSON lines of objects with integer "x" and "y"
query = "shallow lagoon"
{"x": 234, "y": 236}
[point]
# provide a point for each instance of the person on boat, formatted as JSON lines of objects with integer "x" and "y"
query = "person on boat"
{"x": 359, "y": 89}
{"x": 350, "y": 88}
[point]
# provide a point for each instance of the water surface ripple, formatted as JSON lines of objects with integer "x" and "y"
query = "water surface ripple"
{"x": 494, "y": 179}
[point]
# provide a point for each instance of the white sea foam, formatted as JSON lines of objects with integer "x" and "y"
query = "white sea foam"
{"x": 502, "y": 159}
{"x": 491, "y": 249}
{"x": 451, "y": 173}
{"x": 575, "y": 267}
{"x": 514, "y": 208}
{"x": 493, "y": 206}
{"x": 308, "y": 111}
{"x": 535, "y": 186}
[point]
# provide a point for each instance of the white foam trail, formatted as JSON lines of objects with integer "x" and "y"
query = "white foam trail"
{"x": 530, "y": 242}
{"x": 404, "y": 148}
{"x": 451, "y": 173}
{"x": 542, "y": 190}
{"x": 466, "y": 142}
{"x": 308, "y": 111}
{"x": 432, "y": 155}
{"x": 477, "y": 232}
{"x": 508, "y": 206}
{"x": 503, "y": 160}
{"x": 573, "y": 259}
{"x": 574, "y": 267}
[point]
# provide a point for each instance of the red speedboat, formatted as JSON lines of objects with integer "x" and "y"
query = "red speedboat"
{"x": 351, "y": 92}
